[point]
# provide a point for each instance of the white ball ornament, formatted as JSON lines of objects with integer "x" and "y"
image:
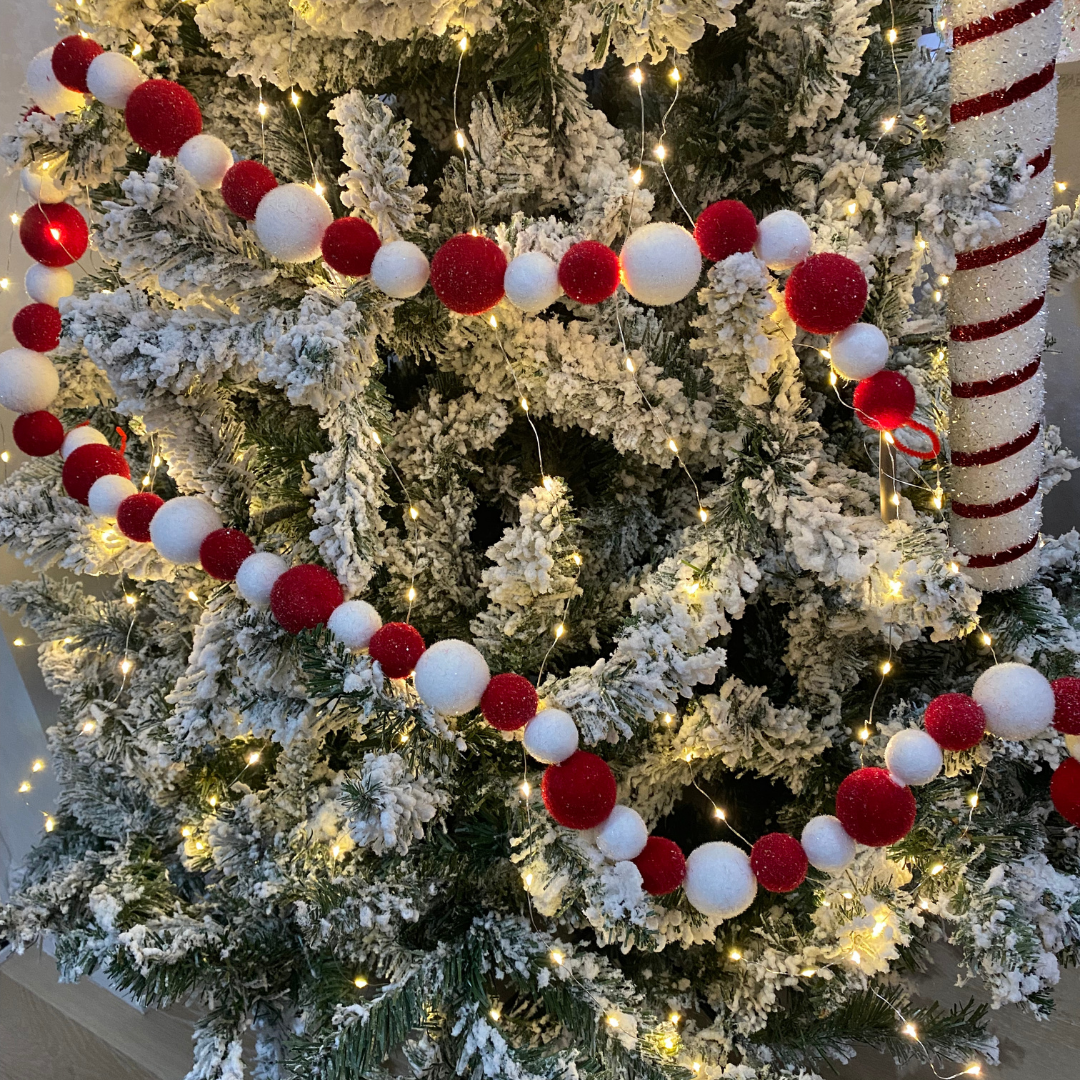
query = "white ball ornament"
{"x": 913, "y": 757}
{"x": 551, "y": 736}
{"x": 107, "y": 493}
{"x": 290, "y": 222}
{"x": 451, "y": 677}
{"x": 1017, "y": 699}
{"x": 622, "y": 835}
{"x": 532, "y": 282}
{"x": 256, "y": 576}
{"x": 859, "y": 351}
{"x": 719, "y": 881}
{"x": 178, "y": 529}
{"x": 827, "y": 844}
{"x": 661, "y": 263}
{"x": 48, "y": 284}
{"x": 784, "y": 240}
{"x": 80, "y": 436}
{"x": 400, "y": 269}
{"x": 112, "y": 76}
{"x": 353, "y": 623}
{"x": 46, "y": 90}
{"x": 41, "y": 187}
{"x": 1072, "y": 744}
{"x": 207, "y": 158}
{"x": 28, "y": 380}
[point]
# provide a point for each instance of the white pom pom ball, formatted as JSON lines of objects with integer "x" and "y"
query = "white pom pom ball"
{"x": 827, "y": 844}
{"x": 111, "y": 78}
{"x": 48, "y": 284}
{"x": 107, "y": 493}
{"x": 207, "y": 158}
{"x": 1072, "y": 744}
{"x": 1017, "y": 700}
{"x": 912, "y": 757}
{"x": 859, "y": 351}
{"x": 719, "y": 881}
{"x": 41, "y": 187}
{"x": 28, "y": 380}
{"x": 532, "y": 282}
{"x": 400, "y": 269}
{"x": 256, "y": 576}
{"x": 551, "y": 736}
{"x": 178, "y": 529}
{"x": 290, "y": 222}
{"x": 784, "y": 240}
{"x": 80, "y": 436}
{"x": 46, "y": 90}
{"x": 353, "y": 623}
{"x": 661, "y": 263}
{"x": 622, "y": 835}
{"x": 451, "y": 677}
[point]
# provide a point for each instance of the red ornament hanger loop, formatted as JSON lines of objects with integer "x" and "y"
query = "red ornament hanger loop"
{"x": 923, "y": 455}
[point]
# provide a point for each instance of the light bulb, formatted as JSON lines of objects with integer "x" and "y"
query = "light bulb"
{"x": 888, "y": 123}
{"x": 832, "y": 378}
{"x": 613, "y": 1021}
{"x": 735, "y": 955}
{"x": 49, "y": 824}
{"x": 319, "y": 189}
{"x": 130, "y": 599}
{"x": 335, "y": 851}
{"x": 411, "y": 594}
{"x": 463, "y": 44}
{"x": 212, "y": 801}
{"x": 807, "y": 972}
{"x": 254, "y": 757}
{"x": 703, "y": 514}
{"x": 895, "y": 498}
{"x": 629, "y": 364}
{"x": 973, "y": 800}
{"x": 24, "y": 787}
{"x": 675, "y": 76}
{"x": 136, "y": 49}
{"x": 673, "y": 446}
{"x": 459, "y": 138}
{"x": 359, "y": 982}
{"x": 14, "y": 219}
{"x": 5, "y": 457}
{"x": 855, "y": 957}
{"x": 5, "y": 283}
{"x": 89, "y": 727}
{"x": 852, "y": 207}
{"x": 954, "y": 568}
{"x": 263, "y": 109}
{"x": 719, "y": 814}
{"x": 896, "y": 587}
{"x": 557, "y": 957}
{"x": 126, "y": 665}
{"x": 559, "y": 631}
{"x": 864, "y": 734}
{"x": 636, "y": 177}
{"x": 910, "y": 1032}
{"x": 413, "y": 513}
{"x": 986, "y": 640}
{"x": 37, "y": 766}
{"x": 636, "y": 77}
{"x": 192, "y": 595}
{"x": 943, "y": 279}
{"x": 294, "y": 97}
{"x": 526, "y": 788}
{"x": 936, "y": 869}
{"x": 660, "y": 152}
{"x": 937, "y": 296}
{"x": 575, "y": 559}
{"x": 668, "y": 718}
{"x": 891, "y": 36}
{"x": 1061, "y": 185}
{"x": 146, "y": 480}
{"x": 886, "y": 667}
{"x": 495, "y": 1014}
{"x": 19, "y": 642}
{"x": 494, "y": 322}
{"x": 375, "y": 436}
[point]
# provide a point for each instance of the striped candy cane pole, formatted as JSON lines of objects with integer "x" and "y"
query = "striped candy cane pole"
{"x": 1004, "y": 94}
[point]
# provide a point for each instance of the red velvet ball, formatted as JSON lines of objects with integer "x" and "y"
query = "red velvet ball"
{"x": 779, "y": 862}
{"x": 222, "y": 552}
{"x": 1067, "y": 705}
{"x": 38, "y": 434}
{"x": 54, "y": 235}
{"x": 579, "y": 793}
{"x": 349, "y": 245}
{"x": 1065, "y": 790}
{"x": 725, "y": 228}
{"x": 304, "y": 596}
{"x": 88, "y": 463}
{"x": 161, "y": 116}
{"x": 885, "y": 401}
{"x": 874, "y": 809}
{"x": 397, "y": 646}
{"x": 662, "y": 865}
{"x": 244, "y": 185}
{"x": 135, "y": 513}
{"x": 955, "y": 721}
{"x": 37, "y": 327}
{"x": 826, "y": 293}
{"x": 589, "y": 272}
{"x": 509, "y": 702}
{"x": 467, "y": 274}
{"x": 71, "y": 57}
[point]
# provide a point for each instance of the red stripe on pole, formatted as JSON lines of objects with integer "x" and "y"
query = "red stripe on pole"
{"x": 1039, "y": 162}
{"x": 988, "y": 256}
{"x": 988, "y": 387}
{"x": 998, "y": 22}
{"x": 1000, "y": 558}
{"x": 980, "y": 331}
{"x": 981, "y": 511}
{"x": 1000, "y": 99}
{"x": 994, "y": 454}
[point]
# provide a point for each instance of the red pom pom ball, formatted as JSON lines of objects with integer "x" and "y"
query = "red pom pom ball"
{"x": 349, "y": 245}
{"x": 222, "y": 552}
{"x": 38, "y": 434}
{"x": 397, "y": 646}
{"x": 88, "y": 463}
{"x": 244, "y": 185}
{"x": 826, "y": 293}
{"x": 135, "y": 513}
{"x": 54, "y": 235}
{"x": 779, "y": 862}
{"x": 161, "y": 116}
{"x": 509, "y": 702}
{"x": 1065, "y": 790}
{"x": 589, "y": 272}
{"x": 1067, "y": 705}
{"x": 955, "y": 721}
{"x": 71, "y": 58}
{"x": 874, "y": 809}
{"x": 885, "y": 401}
{"x": 304, "y": 596}
{"x": 467, "y": 274}
{"x": 580, "y": 792}
{"x": 725, "y": 228}
{"x": 37, "y": 327}
{"x": 662, "y": 865}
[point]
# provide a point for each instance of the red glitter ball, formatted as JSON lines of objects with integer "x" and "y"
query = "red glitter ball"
{"x": 580, "y": 792}
{"x": 349, "y": 245}
{"x": 54, "y": 235}
{"x": 589, "y": 272}
{"x": 1065, "y": 790}
{"x": 135, "y": 513}
{"x": 244, "y": 185}
{"x": 161, "y": 116}
{"x": 467, "y": 274}
{"x": 222, "y": 552}
{"x": 37, "y": 327}
{"x": 725, "y": 228}
{"x": 874, "y": 809}
{"x": 885, "y": 401}
{"x": 88, "y": 463}
{"x": 955, "y": 721}
{"x": 397, "y": 646}
{"x": 71, "y": 58}
{"x": 305, "y": 596}
{"x": 38, "y": 434}
{"x": 779, "y": 862}
{"x": 509, "y": 702}
{"x": 1067, "y": 705}
{"x": 825, "y": 293}
{"x": 662, "y": 865}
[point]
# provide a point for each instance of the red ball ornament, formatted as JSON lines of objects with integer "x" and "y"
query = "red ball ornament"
{"x": 826, "y": 293}
{"x": 135, "y": 513}
{"x": 88, "y": 463}
{"x": 349, "y": 245}
{"x": 1065, "y": 790}
{"x": 244, "y": 185}
{"x": 874, "y": 809}
{"x": 662, "y": 865}
{"x": 955, "y": 722}
{"x": 589, "y": 272}
{"x": 38, "y": 434}
{"x": 397, "y": 646}
{"x": 71, "y": 58}
{"x": 1067, "y": 705}
{"x": 779, "y": 862}
{"x": 222, "y": 552}
{"x": 885, "y": 401}
{"x": 467, "y": 274}
{"x": 37, "y": 327}
{"x": 509, "y": 702}
{"x": 161, "y": 116}
{"x": 725, "y": 228}
{"x": 304, "y": 596}
{"x": 580, "y": 792}
{"x": 54, "y": 235}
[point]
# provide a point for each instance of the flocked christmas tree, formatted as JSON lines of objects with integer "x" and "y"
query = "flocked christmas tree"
{"x": 623, "y": 479}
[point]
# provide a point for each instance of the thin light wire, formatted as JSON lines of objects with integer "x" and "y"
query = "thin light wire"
{"x": 459, "y": 135}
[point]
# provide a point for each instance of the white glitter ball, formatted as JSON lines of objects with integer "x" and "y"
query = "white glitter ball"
{"x": 827, "y": 844}
{"x": 859, "y": 351}
{"x": 912, "y": 757}
{"x": 256, "y": 576}
{"x": 353, "y": 623}
{"x": 451, "y": 677}
{"x": 784, "y": 240}
{"x": 48, "y": 284}
{"x": 80, "y": 436}
{"x": 207, "y": 158}
{"x": 532, "y": 282}
{"x": 400, "y": 269}
{"x": 112, "y": 76}
{"x": 107, "y": 493}
{"x": 179, "y": 527}
{"x": 719, "y": 881}
{"x": 660, "y": 262}
{"x": 1017, "y": 699}
{"x": 622, "y": 835}
{"x": 28, "y": 380}
{"x": 551, "y": 736}
{"x": 46, "y": 90}
{"x": 41, "y": 187}
{"x": 290, "y": 222}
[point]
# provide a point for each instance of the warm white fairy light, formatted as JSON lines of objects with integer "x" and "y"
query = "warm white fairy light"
{"x": 896, "y": 587}
{"x": 576, "y": 559}
{"x": 986, "y": 639}
{"x": 136, "y": 49}
{"x": 5, "y": 457}
{"x": 886, "y": 667}
{"x": 411, "y": 594}
{"x": 1061, "y": 185}
{"x": 130, "y": 599}
{"x": 14, "y": 219}
{"x": 89, "y": 727}
{"x": 719, "y": 814}
{"x": 973, "y": 800}
{"x": 5, "y": 283}
{"x": 674, "y": 75}
{"x": 660, "y": 152}
{"x": 319, "y": 189}
{"x": 126, "y": 665}
{"x": 853, "y": 207}
{"x": 807, "y": 972}
{"x": 526, "y": 788}
{"x": 735, "y": 955}
{"x": 864, "y": 734}
{"x": 936, "y": 869}
{"x": 636, "y": 77}
{"x": 674, "y": 1018}
{"x": 673, "y": 446}
{"x": 855, "y": 957}
{"x": 192, "y": 594}
{"x": 263, "y": 109}
{"x": 937, "y": 295}
{"x": 254, "y": 757}
{"x": 146, "y": 480}
{"x": 943, "y": 279}
{"x": 359, "y": 982}
{"x": 49, "y": 824}
{"x": 294, "y": 97}
{"x": 891, "y": 35}
{"x": 613, "y": 1021}
{"x": 895, "y": 498}
{"x": 463, "y": 44}
{"x": 335, "y": 851}
{"x": 24, "y": 787}
{"x": 413, "y": 513}
{"x": 888, "y": 123}
{"x": 560, "y": 630}
{"x": 495, "y": 1014}
{"x": 910, "y": 1032}
{"x": 18, "y": 642}
{"x": 629, "y": 365}
{"x": 375, "y": 436}
{"x": 557, "y": 957}
{"x": 37, "y": 766}
{"x": 636, "y": 176}
{"x": 459, "y": 138}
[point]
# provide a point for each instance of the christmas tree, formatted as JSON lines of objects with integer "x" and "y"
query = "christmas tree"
{"x": 552, "y": 627}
